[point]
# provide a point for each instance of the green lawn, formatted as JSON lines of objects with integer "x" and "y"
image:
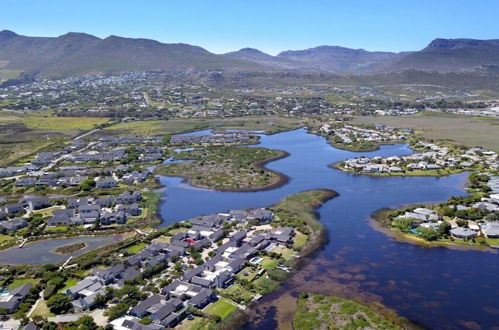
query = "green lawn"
{"x": 136, "y": 248}
{"x": 6, "y": 241}
{"x": 251, "y": 274}
{"x": 300, "y": 240}
{"x": 238, "y": 293}
{"x": 177, "y": 230}
{"x": 269, "y": 263}
{"x": 69, "y": 283}
{"x": 56, "y": 229}
{"x": 41, "y": 309}
{"x": 163, "y": 239}
{"x": 19, "y": 282}
{"x": 285, "y": 252}
{"x": 222, "y": 307}
{"x": 48, "y": 211}
{"x": 492, "y": 241}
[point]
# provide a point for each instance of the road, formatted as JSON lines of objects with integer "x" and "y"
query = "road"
{"x": 55, "y": 161}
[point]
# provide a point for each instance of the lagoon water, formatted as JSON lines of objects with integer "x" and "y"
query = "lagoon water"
{"x": 43, "y": 252}
{"x": 437, "y": 287}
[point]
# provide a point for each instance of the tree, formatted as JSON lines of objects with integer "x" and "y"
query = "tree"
{"x": 116, "y": 311}
{"x": 57, "y": 281}
{"x": 85, "y": 322}
{"x": 3, "y": 313}
{"x": 492, "y": 217}
{"x": 100, "y": 300}
{"x": 59, "y": 303}
{"x": 428, "y": 234}
{"x": 88, "y": 184}
{"x": 166, "y": 139}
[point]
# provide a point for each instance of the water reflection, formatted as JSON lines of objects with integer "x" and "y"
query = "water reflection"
{"x": 439, "y": 287}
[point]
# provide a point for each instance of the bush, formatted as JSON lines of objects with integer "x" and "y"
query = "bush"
{"x": 403, "y": 224}
{"x": 49, "y": 291}
{"x": 428, "y": 234}
{"x": 59, "y": 303}
{"x": 116, "y": 311}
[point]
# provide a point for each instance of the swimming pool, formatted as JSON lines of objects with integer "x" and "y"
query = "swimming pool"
{"x": 255, "y": 260}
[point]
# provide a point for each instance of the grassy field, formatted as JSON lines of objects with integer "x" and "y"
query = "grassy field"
{"x": 22, "y": 136}
{"x": 19, "y": 282}
{"x": 228, "y": 168}
{"x": 6, "y": 74}
{"x": 269, "y": 263}
{"x": 6, "y": 241}
{"x": 161, "y": 127}
{"x": 461, "y": 130}
{"x": 63, "y": 123}
{"x": 136, "y": 248}
{"x": 321, "y": 312}
{"x": 41, "y": 309}
{"x": 69, "y": 283}
{"x": 222, "y": 307}
{"x": 300, "y": 240}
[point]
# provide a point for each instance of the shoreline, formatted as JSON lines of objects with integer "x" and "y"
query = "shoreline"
{"x": 260, "y": 165}
{"x": 376, "y": 147}
{"x": 336, "y": 166}
{"x": 316, "y": 242}
{"x": 376, "y": 224}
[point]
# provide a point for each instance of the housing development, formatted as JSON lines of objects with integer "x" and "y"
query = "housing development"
{"x": 193, "y": 182}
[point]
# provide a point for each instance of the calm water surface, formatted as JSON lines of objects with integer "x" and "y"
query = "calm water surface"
{"x": 438, "y": 287}
{"x": 42, "y": 252}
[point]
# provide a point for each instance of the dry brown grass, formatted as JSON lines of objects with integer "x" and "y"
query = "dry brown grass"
{"x": 463, "y": 130}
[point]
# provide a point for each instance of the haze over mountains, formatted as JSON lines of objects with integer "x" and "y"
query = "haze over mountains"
{"x": 80, "y": 53}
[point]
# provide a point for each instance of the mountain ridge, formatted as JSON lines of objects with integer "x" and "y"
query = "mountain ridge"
{"x": 76, "y": 53}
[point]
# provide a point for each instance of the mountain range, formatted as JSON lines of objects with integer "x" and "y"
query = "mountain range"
{"x": 80, "y": 53}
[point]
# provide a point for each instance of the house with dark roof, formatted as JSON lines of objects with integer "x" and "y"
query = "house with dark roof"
{"x": 108, "y": 275}
{"x": 89, "y": 213}
{"x": 76, "y": 290}
{"x": 490, "y": 229}
{"x": 107, "y": 183}
{"x": 202, "y": 299}
{"x": 132, "y": 209}
{"x": 245, "y": 251}
{"x": 11, "y": 301}
{"x": 107, "y": 218}
{"x": 13, "y": 224}
{"x": 128, "y": 197}
{"x": 463, "y": 233}
{"x": 217, "y": 235}
{"x": 141, "y": 309}
{"x": 263, "y": 215}
{"x": 255, "y": 240}
{"x": 189, "y": 274}
{"x": 107, "y": 201}
{"x": 61, "y": 217}
{"x": 30, "y": 326}
{"x": 236, "y": 265}
{"x": 238, "y": 237}
{"x": 204, "y": 282}
{"x": 36, "y": 202}
{"x": 25, "y": 182}
{"x": 11, "y": 209}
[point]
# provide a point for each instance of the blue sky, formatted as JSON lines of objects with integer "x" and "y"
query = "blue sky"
{"x": 272, "y": 26}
